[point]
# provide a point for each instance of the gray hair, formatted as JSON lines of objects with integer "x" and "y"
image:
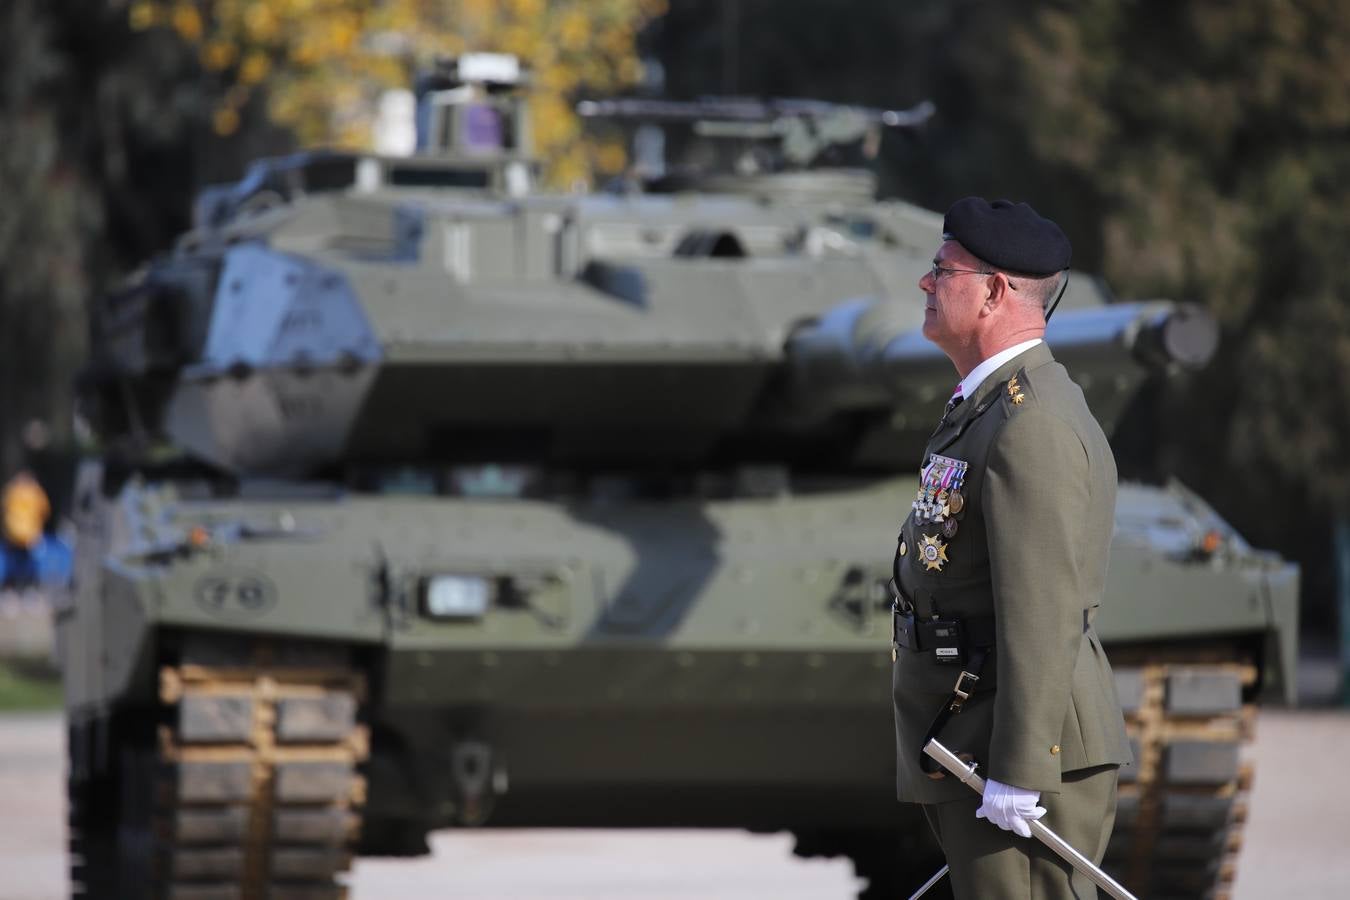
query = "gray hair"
{"x": 1036, "y": 290}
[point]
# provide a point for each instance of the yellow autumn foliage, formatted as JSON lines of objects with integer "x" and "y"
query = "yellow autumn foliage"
{"x": 217, "y": 55}
{"x": 323, "y": 63}
{"x": 143, "y": 15}
{"x": 186, "y": 21}
{"x": 254, "y": 68}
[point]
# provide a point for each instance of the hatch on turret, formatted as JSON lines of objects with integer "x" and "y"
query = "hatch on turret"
{"x": 703, "y": 243}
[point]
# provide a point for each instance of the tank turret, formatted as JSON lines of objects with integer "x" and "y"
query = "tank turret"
{"x": 282, "y": 361}
{"x": 346, "y": 309}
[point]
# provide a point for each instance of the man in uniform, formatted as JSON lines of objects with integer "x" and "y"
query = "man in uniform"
{"x": 1000, "y": 568}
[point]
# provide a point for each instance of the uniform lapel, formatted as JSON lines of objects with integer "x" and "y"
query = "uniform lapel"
{"x": 985, "y": 396}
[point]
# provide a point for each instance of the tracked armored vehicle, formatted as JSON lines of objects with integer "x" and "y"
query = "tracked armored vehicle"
{"x": 428, "y": 501}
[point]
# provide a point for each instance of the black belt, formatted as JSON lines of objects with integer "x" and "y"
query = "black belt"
{"x": 922, "y": 635}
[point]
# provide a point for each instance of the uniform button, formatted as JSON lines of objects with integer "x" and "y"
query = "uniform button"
{"x": 1054, "y": 751}
{"x": 903, "y": 549}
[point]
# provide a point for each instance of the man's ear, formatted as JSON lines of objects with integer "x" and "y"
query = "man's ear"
{"x": 997, "y": 287}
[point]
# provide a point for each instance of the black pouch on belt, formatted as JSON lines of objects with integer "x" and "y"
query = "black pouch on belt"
{"x": 946, "y": 638}
{"x": 950, "y": 640}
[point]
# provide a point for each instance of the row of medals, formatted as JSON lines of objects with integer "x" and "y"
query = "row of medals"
{"x": 938, "y": 506}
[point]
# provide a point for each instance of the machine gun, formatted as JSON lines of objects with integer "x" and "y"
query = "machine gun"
{"x": 802, "y": 130}
{"x": 808, "y": 149}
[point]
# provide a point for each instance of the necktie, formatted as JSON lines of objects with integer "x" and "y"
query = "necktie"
{"x": 953, "y": 403}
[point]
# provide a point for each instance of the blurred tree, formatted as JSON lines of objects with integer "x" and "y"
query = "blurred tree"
{"x": 100, "y": 152}
{"x": 323, "y": 63}
{"x": 1192, "y": 149}
{"x": 1210, "y": 144}
{"x": 47, "y": 207}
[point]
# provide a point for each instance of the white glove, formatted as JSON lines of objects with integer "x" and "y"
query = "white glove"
{"x": 1010, "y": 808}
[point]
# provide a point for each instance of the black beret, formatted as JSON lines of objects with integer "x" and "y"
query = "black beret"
{"x": 1008, "y": 235}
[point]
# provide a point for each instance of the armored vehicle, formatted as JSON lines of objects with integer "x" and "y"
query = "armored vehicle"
{"x": 428, "y": 501}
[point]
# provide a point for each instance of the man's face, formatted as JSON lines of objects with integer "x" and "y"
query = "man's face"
{"x": 952, "y": 299}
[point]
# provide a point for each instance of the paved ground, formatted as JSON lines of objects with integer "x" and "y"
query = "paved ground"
{"x": 1297, "y": 840}
{"x": 25, "y": 625}
{"x": 1296, "y": 844}
{"x": 591, "y": 865}
{"x": 32, "y": 807}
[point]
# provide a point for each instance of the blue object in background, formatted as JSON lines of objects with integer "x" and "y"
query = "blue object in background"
{"x": 48, "y": 563}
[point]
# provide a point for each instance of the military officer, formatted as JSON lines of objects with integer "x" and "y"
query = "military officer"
{"x": 1000, "y": 568}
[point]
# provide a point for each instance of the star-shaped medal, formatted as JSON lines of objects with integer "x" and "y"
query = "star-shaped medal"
{"x": 934, "y": 553}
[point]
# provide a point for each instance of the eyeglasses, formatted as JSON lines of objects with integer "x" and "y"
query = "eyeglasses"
{"x": 938, "y": 271}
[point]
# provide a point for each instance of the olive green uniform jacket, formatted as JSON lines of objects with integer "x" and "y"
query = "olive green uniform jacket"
{"x": 1030, "y": 550}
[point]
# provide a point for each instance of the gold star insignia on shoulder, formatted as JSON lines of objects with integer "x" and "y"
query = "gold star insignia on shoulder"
{"x": 1015, "y": 391}
{"x": 934, "y": 553}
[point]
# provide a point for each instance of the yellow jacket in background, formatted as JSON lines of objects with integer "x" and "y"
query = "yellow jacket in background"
{"x": 26, "y": 509}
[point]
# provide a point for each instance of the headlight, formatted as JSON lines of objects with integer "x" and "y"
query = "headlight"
{"x": 456, "y": 596}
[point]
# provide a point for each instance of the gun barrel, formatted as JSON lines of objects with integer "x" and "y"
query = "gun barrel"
{"x": 868, "y": 353}
{"x": 743, "y": 110}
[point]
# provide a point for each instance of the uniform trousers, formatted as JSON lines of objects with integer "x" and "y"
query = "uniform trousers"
{"x": 988, "y": 863}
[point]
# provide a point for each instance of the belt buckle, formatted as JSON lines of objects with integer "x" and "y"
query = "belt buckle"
{"x": 960, "y": 696}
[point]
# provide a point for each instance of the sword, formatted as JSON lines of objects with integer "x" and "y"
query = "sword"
{"x": 929, "y": 883}
{"x": 966, "y": 773}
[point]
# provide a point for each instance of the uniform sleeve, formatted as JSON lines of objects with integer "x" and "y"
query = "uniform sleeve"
{"x": 1035, "y": 499}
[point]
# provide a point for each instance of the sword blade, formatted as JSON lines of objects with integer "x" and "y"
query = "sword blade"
{"x": 929, "y": 883}
{"x": 966, "y": 773}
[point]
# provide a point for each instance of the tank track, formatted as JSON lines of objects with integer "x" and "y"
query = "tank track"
{"x": 249, "y": 789}
{"x": 1183, "y": 803}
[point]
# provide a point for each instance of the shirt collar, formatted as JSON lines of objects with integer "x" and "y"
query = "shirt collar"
{"x": 972, "y": 382}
